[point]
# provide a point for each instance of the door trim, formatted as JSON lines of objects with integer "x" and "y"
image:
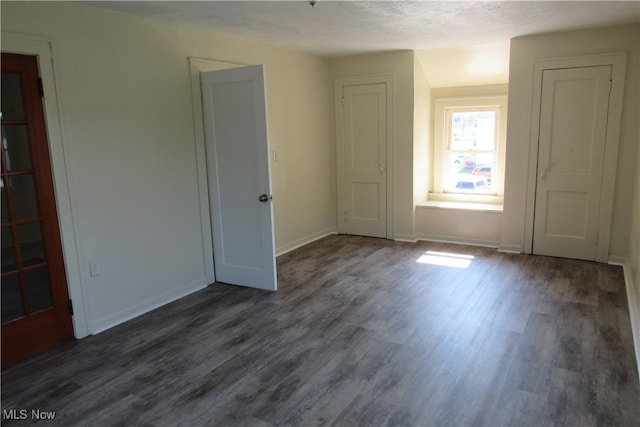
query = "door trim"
{"x": 44, "y": 49}
{"x": 340, "y": 83}
{"x": 618, "y": 62}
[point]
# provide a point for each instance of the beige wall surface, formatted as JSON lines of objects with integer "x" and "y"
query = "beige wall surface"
{"x": 400, "y": 65}
{"x": 470, "y": 65}
{"x": 526, "y": 50}
{"x": 124, "y": 91}
{"x": 632, "y": 262}
{"x": 422, "y": 124}
{"x": 456, "y": 225}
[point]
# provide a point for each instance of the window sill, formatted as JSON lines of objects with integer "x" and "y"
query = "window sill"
{"x": 471, "y": 203}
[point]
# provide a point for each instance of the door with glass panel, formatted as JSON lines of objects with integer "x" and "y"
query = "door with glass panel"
{"x": 36, "y": 313}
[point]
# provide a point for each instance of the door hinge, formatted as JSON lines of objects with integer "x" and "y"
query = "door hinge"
{"x": 40, "y": 87}
{"x": 346, "y": 216}
{"x": 70, "y": 307}
{"x": 610, "y": 85}
{"x": 597, "y": 238}
{"x": 343, "y": 101}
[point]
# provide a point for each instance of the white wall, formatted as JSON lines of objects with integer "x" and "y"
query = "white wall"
{"x": 524, "y": 51}
{"x": 470, "y": 65}
{"x": 125, "y": 105}
{"x": 422, "y": 154}
{"x": 459, "y": 225}
{"x": 632, "y": 261}
{"x": 400, "y": 65}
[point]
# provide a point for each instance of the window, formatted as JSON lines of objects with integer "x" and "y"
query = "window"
{"x": 469, "y": 149}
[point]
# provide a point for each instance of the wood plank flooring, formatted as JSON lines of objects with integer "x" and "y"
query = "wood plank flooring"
{"x": 361, "y": 332}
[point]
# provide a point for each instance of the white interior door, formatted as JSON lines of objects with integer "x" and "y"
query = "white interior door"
{"x": 572, "y": 133}
{"x": 365, "y": 159}
{"x": 238, "y": 176}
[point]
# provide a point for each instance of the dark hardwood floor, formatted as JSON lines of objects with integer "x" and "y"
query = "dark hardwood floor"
{"x": 361, "y": 332}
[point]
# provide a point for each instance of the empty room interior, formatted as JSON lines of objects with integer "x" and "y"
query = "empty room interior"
{"x": 321, "y": 213}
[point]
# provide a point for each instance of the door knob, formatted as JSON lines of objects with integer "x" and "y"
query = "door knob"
{"x": 543, "y": 174}
{"x": 263, "y": 198}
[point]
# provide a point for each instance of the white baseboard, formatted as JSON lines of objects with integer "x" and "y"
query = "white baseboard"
{"x": 617, "y": 260}
{"x": 510, "y": 249}
{"x": 458, "y": 240}
{"x": 129, "y": 313}
{"x": 288, "y": 247}
{"x": 409, "y": 238}
{"x": 634, "y": 308}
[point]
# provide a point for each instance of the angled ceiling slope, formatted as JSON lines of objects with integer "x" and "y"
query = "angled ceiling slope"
{"x": 458, "y": 43}
{"x": 334, "y": 28}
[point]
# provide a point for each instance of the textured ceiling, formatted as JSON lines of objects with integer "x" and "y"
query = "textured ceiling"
{"x": 334, "y": 28}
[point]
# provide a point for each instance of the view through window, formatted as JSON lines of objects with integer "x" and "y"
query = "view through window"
{"x": 471, "y": 150}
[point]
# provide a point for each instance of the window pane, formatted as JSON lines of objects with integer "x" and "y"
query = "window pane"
{"x": 460, "y": 161}
{"x": 473, "y": 130}
{"x": 471, "y": 173}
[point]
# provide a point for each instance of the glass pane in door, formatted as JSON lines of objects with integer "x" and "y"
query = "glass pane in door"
{"x": 12, "y": 105}
{"x": 12, "y": 307}
{"x": 8, "y": 253}
{"x": 38, "y": 289}
{"x": 3, "y": 203}
{"x": 31, "y": 244}
{"x": 16, "y": 147}
{"x": 24, "y": 197}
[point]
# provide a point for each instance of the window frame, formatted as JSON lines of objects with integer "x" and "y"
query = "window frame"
{"x": 442, "y": 124}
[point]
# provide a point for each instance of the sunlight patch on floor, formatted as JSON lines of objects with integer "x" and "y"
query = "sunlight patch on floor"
{"x": 446, "y": 259}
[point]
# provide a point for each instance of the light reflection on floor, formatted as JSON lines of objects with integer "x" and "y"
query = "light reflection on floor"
{"x": 446, "y": 259}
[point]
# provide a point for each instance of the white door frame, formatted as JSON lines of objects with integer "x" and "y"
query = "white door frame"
{"x": 340, "y": 83}
{"x": 618, "y": 63}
